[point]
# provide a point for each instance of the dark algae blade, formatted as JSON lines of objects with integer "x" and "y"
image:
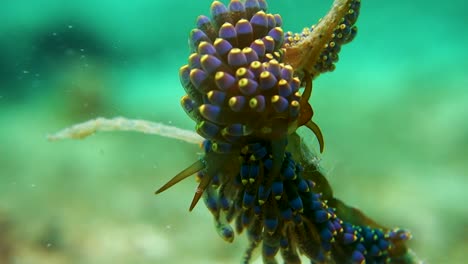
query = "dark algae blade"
{"x": 248, "y": 85}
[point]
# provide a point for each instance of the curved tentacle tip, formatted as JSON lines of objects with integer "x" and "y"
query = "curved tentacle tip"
{"x": 318, "y": 133}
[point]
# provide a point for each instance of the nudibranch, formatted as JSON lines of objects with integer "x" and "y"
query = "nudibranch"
{"x": 248, "y": 85}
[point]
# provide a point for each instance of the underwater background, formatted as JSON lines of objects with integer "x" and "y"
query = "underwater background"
{"x": 394, "y": 115}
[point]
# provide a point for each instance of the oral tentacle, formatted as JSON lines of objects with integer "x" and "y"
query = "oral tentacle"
{"x": 317, "y": 132}
{"x": 192, "y": 169}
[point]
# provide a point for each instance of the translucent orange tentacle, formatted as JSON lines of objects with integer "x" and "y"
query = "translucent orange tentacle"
{"x": 305, "y": 117}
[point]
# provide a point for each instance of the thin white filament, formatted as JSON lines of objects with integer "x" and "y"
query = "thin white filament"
{"x": 83, "y": 130}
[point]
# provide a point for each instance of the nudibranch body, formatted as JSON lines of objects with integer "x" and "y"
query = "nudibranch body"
{"x": 243, "y": 82}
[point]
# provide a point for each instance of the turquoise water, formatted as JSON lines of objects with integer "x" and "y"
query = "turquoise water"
{"x": 393, "y": 115}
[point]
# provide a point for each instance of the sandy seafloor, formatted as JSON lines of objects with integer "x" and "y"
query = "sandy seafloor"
{"x": 394, "y": 115}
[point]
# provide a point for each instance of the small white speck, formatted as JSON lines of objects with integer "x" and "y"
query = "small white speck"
{"x": 168, "y": 227}
{"x": 169, "y": 122}
{"x": 82, "y": 50}
{"x": 54, "y": 33}
{"x": 33, "y": 185}
{"x": 49, "y": 245}
{"x": 70, "y": 26}
{"x": 26, "y": 71}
